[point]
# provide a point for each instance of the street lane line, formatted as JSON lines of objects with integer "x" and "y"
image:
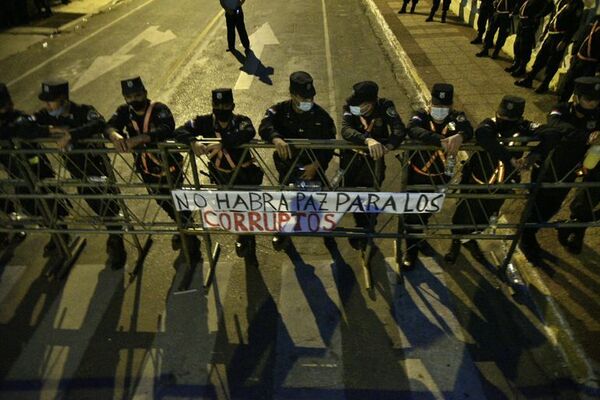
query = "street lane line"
{"x": 71, "y": 47}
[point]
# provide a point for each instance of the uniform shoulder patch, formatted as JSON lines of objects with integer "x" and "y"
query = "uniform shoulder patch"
{"x": 461, "y": 117}
{"x": 164, "y": 113}
{"x": 391, "y": 112}
{"x": 93, "y": 115}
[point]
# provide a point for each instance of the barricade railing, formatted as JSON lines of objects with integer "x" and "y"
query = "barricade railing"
{"x": 106, "y": 195}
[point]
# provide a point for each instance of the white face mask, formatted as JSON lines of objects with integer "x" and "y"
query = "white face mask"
{"x": 439, "y": 113}
{"x": 305, "y": 106}
{"x": 355, "y": 110}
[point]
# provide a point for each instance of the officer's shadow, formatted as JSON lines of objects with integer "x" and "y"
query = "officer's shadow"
{"x": 253, "y": 66}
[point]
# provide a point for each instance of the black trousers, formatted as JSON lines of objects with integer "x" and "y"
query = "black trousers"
{"x": 501, "y": 24}
{"x": 548, "y": 57}
{"x": 524, "y": 43}
{"x": 166, "y": 205}
{"x": 436, "y": 5}
{"x": 486, "y": 12}
{"x": 577, "y": 69}
{"x": 235, "y": 20}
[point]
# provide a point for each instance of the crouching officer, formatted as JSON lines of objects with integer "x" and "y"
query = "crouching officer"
{"x": 575, "y": 126}
{"x": 495, "y": 164}
{"x": 440, "y": 126}
{"x": 372, "y": 121}
{"x": 79, "y": 122}
{"x": 142, "y": 124}
{"x": 298, "y": 118}
{"x": 15, "y": 124}
{"x": 224, "y": 156}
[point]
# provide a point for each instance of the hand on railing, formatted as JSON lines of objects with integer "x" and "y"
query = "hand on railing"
{"x": 452, "y": 144}
{"x": 282, "y": 148}
{"x": 375, "y": 148}
{"x": 118, "y": 141}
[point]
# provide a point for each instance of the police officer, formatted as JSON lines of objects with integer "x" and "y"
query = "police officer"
{"x": 495, "y": 164}
{"x": 559, "y": 31}
{"x": 405, "y": 4}
{"x": 575, "y": 126}
{"x": 500, "y": 23}
{"x": 15, "y": 124}
{"x": 584, "y": 60}
{"x": 372, "y": 121}
{"x": 440, "y": 126}
{"x": 224, "y": 156}
{"x": 142, "y": 124}
{"x": 434, "y": 8}
{"x": 530, "y": 13}
{"x": 297, "y": 118}
{"x": 82, "y": 121}
{"x": 234, "y": 17}
{"x": 485, "y": 15}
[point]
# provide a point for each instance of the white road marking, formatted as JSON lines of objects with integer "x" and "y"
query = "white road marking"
{"x": 262, "y": 37}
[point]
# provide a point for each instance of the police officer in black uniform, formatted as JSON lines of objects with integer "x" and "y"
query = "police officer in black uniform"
{"x": 485, "y": 15}
{"x": 434, "y": 8}
{"x": 495, "y": 164}
{"x": 559, "y": 31}
{"x": 141, "y": 124}
{"x": 372, "y": 121}
{"x": 530, "y": 14}
{"x": 500, "y": 23}
{"x": 297, "y": 118}
{"x": 584, "y": 60}
{"x": 575, "y": 126}
{"x": 15, "y": 124}
{"x": 233, "y": 130}
{"x": 79, "y": 122}
{"x": 441, "y": 126}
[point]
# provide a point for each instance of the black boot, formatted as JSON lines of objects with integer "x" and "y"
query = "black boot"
{"x": 571, "y": 238}
{"x": 526, "y": 82}
{"x": 409, "y": 258}
{"x": 430, "y": 18}
{"x": 543, "y": 88}
{"x": 483, "y": 53}
{"x": 412, "y": 8}
{"x": 280, "y": 242}
{"x": 243, "y": 246}
{"x": 444, "y": 16}
{"x": 477, "y": 40}
{"x": 403, "y": 9}
{"x": 512, "y": 67}
{"x": 452, "y": 254}
{"x": 520, "y": 71}
{"x": 495, "y": 54}
{"x": 115, "y": 247}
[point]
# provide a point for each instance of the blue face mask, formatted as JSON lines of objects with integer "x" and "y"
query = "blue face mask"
{"x": 355, "y": 110}
{"x": 57, "y": 113}
{"x": 305, "y": 106}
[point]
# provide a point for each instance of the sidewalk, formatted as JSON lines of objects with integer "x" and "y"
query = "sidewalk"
{"x": 65, "y": 17}
{"x": 566, "y": 290}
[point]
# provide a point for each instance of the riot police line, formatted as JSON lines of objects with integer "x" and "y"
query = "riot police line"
{"x": 125, "y": 190}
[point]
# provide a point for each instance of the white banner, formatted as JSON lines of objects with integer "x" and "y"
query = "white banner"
{"x": 291, "y": 211}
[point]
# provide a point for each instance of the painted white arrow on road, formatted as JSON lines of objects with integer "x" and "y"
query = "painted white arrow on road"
{"x": 103, "y": 64}
{"x": 262, "y": 37}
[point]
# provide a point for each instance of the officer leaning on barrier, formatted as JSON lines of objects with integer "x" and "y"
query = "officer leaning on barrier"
{"x": 141, "y": 124}
{"x": 15, "y": 124}
{"x": 495, "y": 164}
{"x": 440, "y": 126}
{"x": 372, "y": 121}
{"x": 233, "y": 130}
{"x": 575, "y": 126}
{"x": 76, "y": 122}
{"x": 298, "y": 118}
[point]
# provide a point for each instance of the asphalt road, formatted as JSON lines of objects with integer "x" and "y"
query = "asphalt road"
{"x": 300, "y": 326}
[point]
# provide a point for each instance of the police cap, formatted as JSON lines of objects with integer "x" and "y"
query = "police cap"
{"x": 222, "y": 96}
{"x": 362, "y": 92}
{"x": 588, "y": 86}
{"x": 132, "y": 85}
{"x": 511, "y": 107}
{"x": 301, "y": 83}
{"x": 54, "y": 89}
{"x": 442, "y": 94}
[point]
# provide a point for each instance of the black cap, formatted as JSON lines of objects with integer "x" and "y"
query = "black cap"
{"x": 362, "y": 92}
{"x": 53, "y": 90}
{"x": 442, "y": 94}
{"x": 132, "y": 85}
{"x": 511, "y": 107}
{"x": 301, "y": 83}
{"x": 588, "y": 86}
{"x": 222, "y": 96}
{"x": 4, "y": 95}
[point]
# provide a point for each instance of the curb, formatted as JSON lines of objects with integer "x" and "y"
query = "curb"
{"x": 558, "y": 331}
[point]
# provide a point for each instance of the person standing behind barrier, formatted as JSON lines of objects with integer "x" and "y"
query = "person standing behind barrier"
{"x": 434, "y": 8}
{"x": 495, "y": 164}
{"x": 530, "y": 13}
{"x": 486, "y": 12}
{"x": 576, "y": 126}
{"x": 142, "y": 124}
{"x": 298, "y": 118}
{"x": 15, "y": 124}
{"x": 233, "y": 130}
{"x": 440, "y": 126}
{"x": 372, "y": 121}
{"x": 234, "y": 17}
{"x": 584, "y": 59}
{"x": 501, "y": 24}
{"x": 82, "y": 121}
{"x": 559, "y": 31}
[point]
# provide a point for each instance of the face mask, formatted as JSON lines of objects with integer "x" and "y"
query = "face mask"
{"x": 439, "y": 113}
{"x": 223, "y": 115}
{"x": 305, "y": 106}
{"x": 355, "y": 110}
{"x": 586, "y": 112}
{"x": 137, "y": 105}
{"x": 57, "y": 113}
